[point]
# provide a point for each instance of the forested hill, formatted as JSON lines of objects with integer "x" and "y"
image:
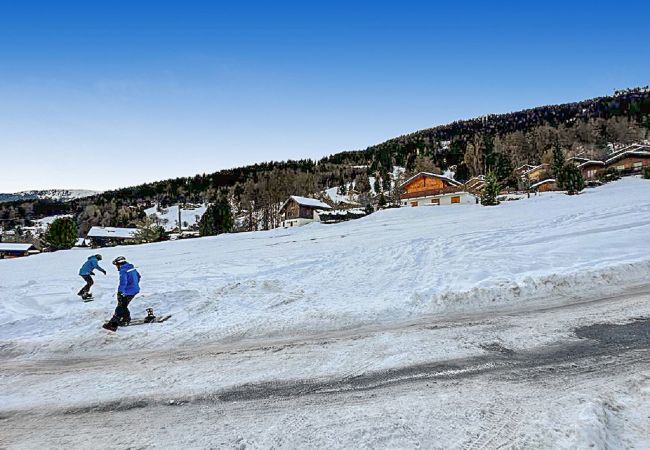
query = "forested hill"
{"x": 494, "y": 142}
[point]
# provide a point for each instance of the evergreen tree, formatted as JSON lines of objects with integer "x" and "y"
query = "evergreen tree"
{"x": 573, "y": 181}
{"x": 382, "y": 201}
{"x": 490, "y": 190}
{"x": 558, "y": 166}
{"x": 217, "y": 219}
{"x": 61, "y": 234}
{"x": 646, "y": 173}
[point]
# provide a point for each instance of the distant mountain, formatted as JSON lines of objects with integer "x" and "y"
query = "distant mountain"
{"x": 59, "y": 195}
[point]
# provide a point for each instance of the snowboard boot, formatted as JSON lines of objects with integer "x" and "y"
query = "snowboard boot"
{"x": 150, "y": 316}
{"x": 87, "y": 296}
{"x": 110, "y": 326}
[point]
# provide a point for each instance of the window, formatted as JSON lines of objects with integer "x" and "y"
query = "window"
{"x": 455, "y": 199}
{"x": 414, "y": 204}
{"x": 435, "y": 201}
{"x": 638, "y": 165}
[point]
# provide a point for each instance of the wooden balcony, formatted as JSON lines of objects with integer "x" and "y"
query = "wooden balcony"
{"x": 431, "y": 192}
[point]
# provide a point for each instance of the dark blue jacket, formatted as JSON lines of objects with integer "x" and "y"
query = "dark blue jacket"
{"x": 129, "y": 280}
{"x": 90, "y": 265}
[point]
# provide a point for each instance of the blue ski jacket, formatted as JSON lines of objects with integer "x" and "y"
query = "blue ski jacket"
{"x": 90, "y": 265}
{"x": 129, "y": 280}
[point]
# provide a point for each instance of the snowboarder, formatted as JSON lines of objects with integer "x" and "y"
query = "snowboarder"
{"x": 129, "y": 287}
{"x": 87, "y": 272}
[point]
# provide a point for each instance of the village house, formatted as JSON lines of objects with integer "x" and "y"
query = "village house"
{"x": 107, "y": 236}
{"x": 544, "y": 186}
{"x": 590, "y": 169}
{"x": 519, "y": 171}
{"x": 475, "y": 184}
{"x": 537, "y": 173}
{"x": 298, "y": 211}
{"x": 629, "y": 162}
{"x": 427, "y": 188}
{"x": 12, "y": 250}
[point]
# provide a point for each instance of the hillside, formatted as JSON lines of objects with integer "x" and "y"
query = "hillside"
{"x": 56, "y": 195}
{"x": 494, "y": 142}
{"x": 317, "y": 328}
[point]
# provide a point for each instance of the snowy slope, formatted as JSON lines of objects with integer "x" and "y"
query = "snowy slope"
{"x": 449, "y": 297}
{"x": 393, "y": 265}
{"x": 169, "y": 216}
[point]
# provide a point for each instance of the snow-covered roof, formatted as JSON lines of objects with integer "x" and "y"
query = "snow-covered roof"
{"x": 591, "y": 162}
{"x": 305, "y": 201}
{"x": 11, "y": 247}
{"x": 541, "y": 166}
{"x": 433, "y": 175}
{"x": 642, "y": 154}
{"x": 548, "y": 180}
{"x": 112, "y": 232}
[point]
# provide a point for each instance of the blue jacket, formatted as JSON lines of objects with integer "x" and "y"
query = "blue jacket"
{"x": 129, "y": 280}
{"x": 90, "y": 265}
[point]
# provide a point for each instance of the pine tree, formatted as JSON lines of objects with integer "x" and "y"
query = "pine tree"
{"x": 217, "y": 219}
{"x": 382, "y": 201}
{"x": 61, "y": 234}
{"x": 646, "y": 173}
{"x": 558, "y": 166}
{"x": 573, "y": 180}
{"x": 490, "y": 190}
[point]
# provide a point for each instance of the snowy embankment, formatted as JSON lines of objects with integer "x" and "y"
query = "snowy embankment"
{"x": 392, "y": 266}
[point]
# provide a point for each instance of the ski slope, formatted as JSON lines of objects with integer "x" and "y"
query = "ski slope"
{"x": 391, "y": 266}
{"x": 392, "y": 291}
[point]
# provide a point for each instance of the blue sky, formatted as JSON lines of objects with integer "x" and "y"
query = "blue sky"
{"x": 100, "y": 96}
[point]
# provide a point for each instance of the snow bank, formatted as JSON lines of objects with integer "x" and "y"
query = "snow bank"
{"x": 394, "y": 265}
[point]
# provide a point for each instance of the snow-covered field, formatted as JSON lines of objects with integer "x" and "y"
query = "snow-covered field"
{"x": 389, "y": 292}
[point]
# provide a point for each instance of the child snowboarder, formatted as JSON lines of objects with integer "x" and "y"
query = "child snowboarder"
{"x": 129, "y": 287}
{"x": 86, "y": 272}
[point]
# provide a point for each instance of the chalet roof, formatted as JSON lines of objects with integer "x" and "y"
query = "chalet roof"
{"x": 631, "y": 147}
{"x": 541, "y": 166}
{"x": 306, "y": 201}
{"x": 432, "y": 175}
{"x": 619, "y": 156}
{"x": 524, "y": 167}
{"x": 591, "y": 162}
{"x": 112, "y": 232}
{"x": 548, "y": 180}
{"x": 11, "y": 247}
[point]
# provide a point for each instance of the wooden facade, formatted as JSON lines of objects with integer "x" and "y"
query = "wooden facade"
{"x": 294, "y": 210}
{"x": 426, "y": 184}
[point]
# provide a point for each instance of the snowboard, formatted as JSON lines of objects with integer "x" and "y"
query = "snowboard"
{"x": 158, "y": 319}
{"x": 87, "y": 299}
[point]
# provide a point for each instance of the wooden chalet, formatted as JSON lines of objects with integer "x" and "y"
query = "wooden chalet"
{"x": 630, "y": 162}
{"x": 12, "y": 250}
{"x": 590, "y": 169}
{"x": 544, "y": 186}
{"x": 537, "y": 173}
{"x": 107, "y": 236}
{"x": 298, "y": 211}
{"x": 427, "y": 188}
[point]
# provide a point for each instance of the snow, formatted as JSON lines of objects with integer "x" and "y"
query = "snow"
{"x": 397, "y": 288}
{"x": 113, "y": 232}
{"x": 305, "y": 201}
{"x": 168, "y": 217}
{"x": 5, "y": 246}
{"x": 538, "y": 184}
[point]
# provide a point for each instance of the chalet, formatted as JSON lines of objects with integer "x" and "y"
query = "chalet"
{"x": 544, "y": 186}
{"x": 11, "y": 250}
{"x": 537, "y": 173}
{"x": 590, "y": 169}
{"x": 107, "y": 236}
{"x": 631, "y": 161}
{"x": 523, "y": 169}
{"x": 427, "y": 188}
{"x": 298, "y": 211}
{"x": 475, "y": 184}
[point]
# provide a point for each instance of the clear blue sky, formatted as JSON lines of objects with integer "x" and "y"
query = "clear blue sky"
{"x": 100, "y": 95}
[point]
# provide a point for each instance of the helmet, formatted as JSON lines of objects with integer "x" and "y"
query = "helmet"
{"x": 119, "y": 260}
{"x": 99, "y": 257}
